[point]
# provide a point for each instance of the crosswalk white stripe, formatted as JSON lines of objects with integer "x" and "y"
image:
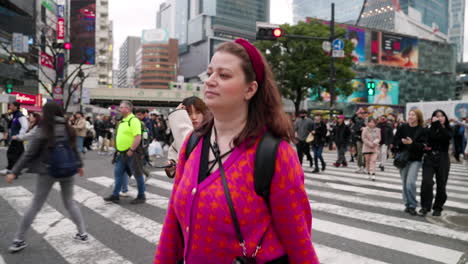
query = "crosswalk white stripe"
{"x": 367, "y": 216}
{"x": 363, "y": 190}
{"x": 58, "y": 230}
{"x": 388, "y": 220}
{"x": 2, "y": 261}
{"x": 151, "y": 198}
{"x": 334, "y": 256}
{"x": 128, "y": 220}
{"x": 451, "y": 184}
{"x": 412, "y": 247}
{"x": 398, "y": 187}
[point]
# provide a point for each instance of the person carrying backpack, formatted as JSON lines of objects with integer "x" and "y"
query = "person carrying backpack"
{"x": 220, "y": 211}
{"x": 52, "y": 153}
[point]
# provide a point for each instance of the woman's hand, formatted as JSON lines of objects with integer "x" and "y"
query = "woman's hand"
{"x": 10, "y": 177}
{"x": 181, "y": 106}
{"x": 81, "y": 172}
{"x": 407, "y": 141}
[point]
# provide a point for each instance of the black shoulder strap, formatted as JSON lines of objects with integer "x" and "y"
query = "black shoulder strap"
{"x": 264, "y": 169}
{"x": 191, "y": 144}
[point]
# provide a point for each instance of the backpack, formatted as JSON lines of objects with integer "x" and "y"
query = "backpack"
{"x": 63, "y": 160}
{"x": 145, "y": 140}
{"x": 264, "y": 165}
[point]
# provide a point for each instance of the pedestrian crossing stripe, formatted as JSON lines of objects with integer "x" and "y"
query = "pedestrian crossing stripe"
{"x": 332, "y": 255}
{"x": 58, "y": 231}
{"x": 128, "y": 220}
{"x": 344, "y": 177}
{"x": 2, "y": 261}
{"x": 453, "y": 185}
{"x": 397, "y": 222}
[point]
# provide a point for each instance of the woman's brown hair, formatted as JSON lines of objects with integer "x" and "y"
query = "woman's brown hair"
{"x": 265, "y": 107}
{"x": 419, "y": 114}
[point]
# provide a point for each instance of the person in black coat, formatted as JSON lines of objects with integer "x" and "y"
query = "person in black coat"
{"x": 386, "y": 138}
{"x": 319, "y": 132}
{"x": 342, "y": 134}
{"x": 411, "y": 138}
{"x": 436, "y": 161}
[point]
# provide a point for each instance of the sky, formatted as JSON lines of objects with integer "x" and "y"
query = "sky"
{"x": 130, "y": 18}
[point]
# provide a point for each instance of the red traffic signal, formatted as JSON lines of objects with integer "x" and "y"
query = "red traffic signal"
{"x": 277, "y": 32}
{"x": 67, "y": 45}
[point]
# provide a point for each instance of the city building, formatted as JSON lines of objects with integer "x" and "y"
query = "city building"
{"x": 115, "y": 78}
{"x": 156, "y": 61}
{"x": 17, "y": 16}
{"x": 127, "y": 61}
{"x": 208, "y": 23}
{"x": 457, "y": 26}
{"x": 92, "y": 41}
{"x": 346, "y": 11}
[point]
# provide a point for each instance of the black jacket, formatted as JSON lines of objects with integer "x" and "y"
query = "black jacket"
{"x": 417, "y": 134}
{"x": 342, "y": 134}
{"x": 320, "y": 134}
{"x": 386, "y": 134}
{"x": 358, "y": 124}
{"x": 438, "y": 137}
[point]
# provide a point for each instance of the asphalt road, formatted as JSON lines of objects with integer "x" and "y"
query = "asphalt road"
{"x": 355, "y": 220}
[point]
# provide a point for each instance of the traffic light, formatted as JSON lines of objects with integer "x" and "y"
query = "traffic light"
{"x": 9, "y": 87}
{"x": 66, "y": 45}
{"x": 371, "y": 88}
{"x": 269, "y": 33}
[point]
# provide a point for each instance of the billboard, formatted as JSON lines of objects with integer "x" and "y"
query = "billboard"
{"x": 394, "y": 50}
{"x": 154, "y": 36}
{"x": 386, "y": 92}
{"x": 357, "y": 36}
{"x": 453, "y": 109}
{"x": 83, "y": 31}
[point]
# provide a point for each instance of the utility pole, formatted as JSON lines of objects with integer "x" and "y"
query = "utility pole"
{"x": 332, "y": 59}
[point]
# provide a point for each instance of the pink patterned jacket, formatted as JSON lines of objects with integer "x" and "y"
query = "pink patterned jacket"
{"x": 203, "y": 213}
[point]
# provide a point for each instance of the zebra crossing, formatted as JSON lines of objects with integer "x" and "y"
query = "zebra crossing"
{"x": 355, "y": 220}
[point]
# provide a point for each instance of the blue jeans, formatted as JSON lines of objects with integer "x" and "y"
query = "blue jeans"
{"x": 79, "y": 144}
{"x": 409, "y": 175}
{"x": 123, "y": 162}
{"x": 318, "y": 155}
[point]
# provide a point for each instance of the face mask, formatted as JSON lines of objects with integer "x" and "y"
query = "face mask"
{"x": 346, "y": 123}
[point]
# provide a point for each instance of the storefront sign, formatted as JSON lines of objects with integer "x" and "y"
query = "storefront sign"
{"x": 60, "y": 28}
{"x": 60, "y": 10}
{"x": 47, "y": 60}
{"x": 27, "y": 99}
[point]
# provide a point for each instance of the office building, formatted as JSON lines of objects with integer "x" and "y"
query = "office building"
{"x": 346, "y": 11}
{"x": 127, "y": 61}
{"x": 201, "y": 25}
{"x": 457, "y": 26}
{"x": 156, "y": 64}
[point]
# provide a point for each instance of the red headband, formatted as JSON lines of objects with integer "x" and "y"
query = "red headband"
{"x": 255, "y": 59}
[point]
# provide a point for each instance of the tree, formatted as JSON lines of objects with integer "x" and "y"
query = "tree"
{"x": 70, "y": 83}
{"x": 300, "y": 64}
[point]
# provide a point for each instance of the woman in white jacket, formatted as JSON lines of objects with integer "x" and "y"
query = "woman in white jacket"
{"x": 188, "y": 115}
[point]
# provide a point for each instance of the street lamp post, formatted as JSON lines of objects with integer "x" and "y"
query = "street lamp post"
{"x": 81, "y": 76}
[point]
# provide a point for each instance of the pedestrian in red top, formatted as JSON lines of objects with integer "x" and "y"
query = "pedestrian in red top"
{"x": 242, "y": 95}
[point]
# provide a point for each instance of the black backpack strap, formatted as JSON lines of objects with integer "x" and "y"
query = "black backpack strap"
{"x": 265, "y": 164}
{"x": 191, "y": 144}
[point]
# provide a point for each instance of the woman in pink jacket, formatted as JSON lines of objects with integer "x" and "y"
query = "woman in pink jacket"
{"x": 371, "y": 140}
{"x": 199, "y": 229}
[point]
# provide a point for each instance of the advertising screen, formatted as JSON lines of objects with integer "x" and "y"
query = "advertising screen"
{"x": 386, "y": 92}
{"x": 83, "y": 33}
{"x": 358, "y": 37}
{"x": 394, "y": 50}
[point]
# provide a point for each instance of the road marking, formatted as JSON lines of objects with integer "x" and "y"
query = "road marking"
{"x": 2, "y": 261}
{"x": 412, "y": 247}
{"x": 128, "y": 220}
{"x": 58, "y": 231}
{"x": 387, "y": 220}
{"x": 334, "y": 256}
{"x": 379, "y": 193}
{"x": 338, "y": 176}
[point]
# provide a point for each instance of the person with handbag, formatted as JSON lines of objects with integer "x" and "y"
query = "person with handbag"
{"x": 188, "y": 116}
{"x": 370, "y": 150}
{"x": 409, "y": 143}
{"x": 214, "y": 185}
{"x": 436, "y": 162}
{"x": 303, "y": 127}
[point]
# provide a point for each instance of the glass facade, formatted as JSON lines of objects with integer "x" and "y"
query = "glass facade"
{"x": 432, "y": 12}
{"x": 379, "y": 14}
{"x": 346, "y": 11}
{"x": 240, "y": 16}
{"x": 457, "y": 26}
